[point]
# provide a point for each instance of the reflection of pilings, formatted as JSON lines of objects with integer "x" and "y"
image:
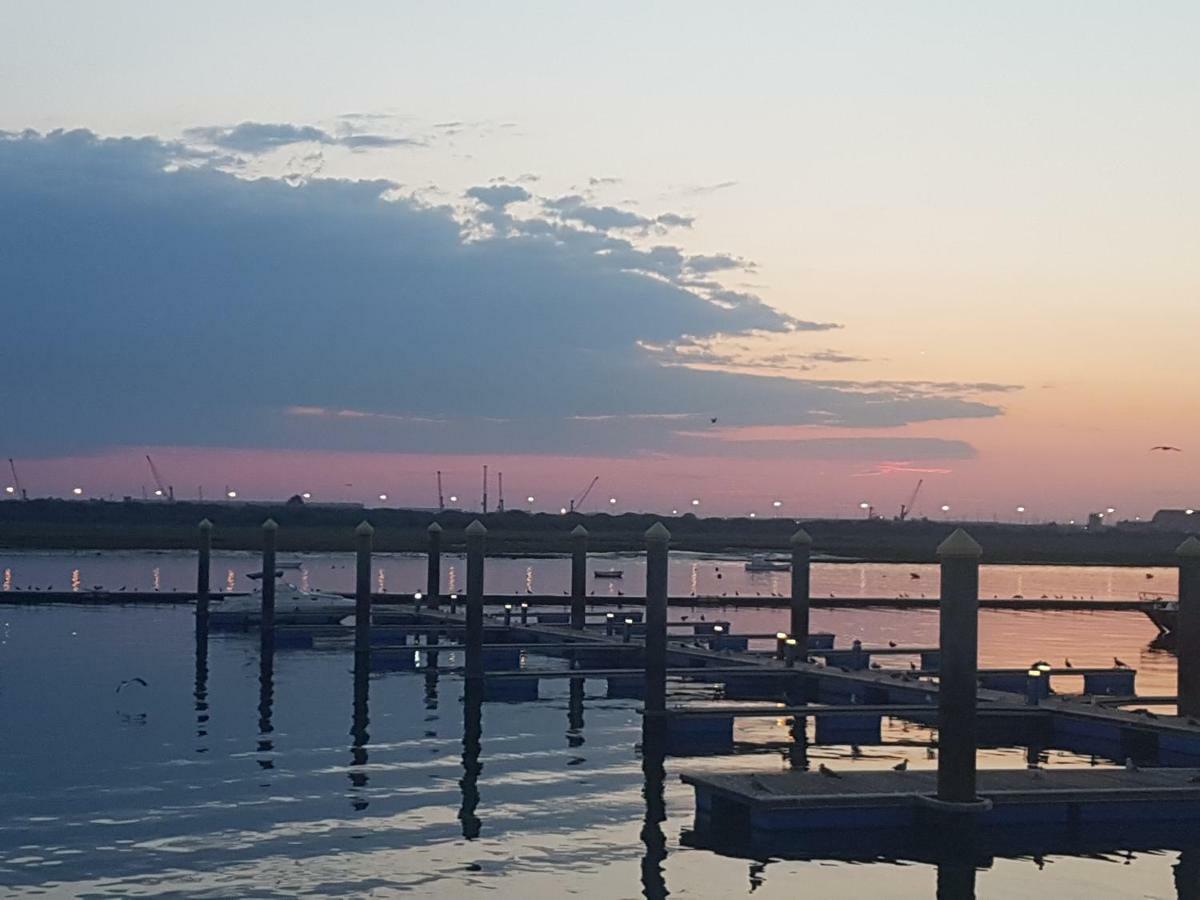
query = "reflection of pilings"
{"x": 1187, "y": 874}
{"x": 433, "y": 568}
{"x": 472, "y": 732}
{"x": 956, "y": 879}
{"x": 957, "y": 688}
{"x": 203, "y": 568}
{"x": 575, "y": 714}
{"x": 579, "y": 551}
{"x": 358, "y": 728}
{"x": 797, "y": 753}
{"x": 431, "y": 685}
{"x": 654, "y": 885}
{"x": 1187, "y": 628}
{"x": 270, "y": 532}
{"x": 657, "y": 545}
{"x": 473, "y": 633}
{"x": 801, "y": 556}
{"x": 363, "y": 540}
{"x": 266, "y": 696}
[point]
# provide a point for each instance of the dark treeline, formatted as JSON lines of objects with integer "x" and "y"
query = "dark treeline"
{"x": 62, "y": 524}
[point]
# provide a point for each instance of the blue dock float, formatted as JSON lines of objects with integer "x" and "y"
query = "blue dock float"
{"x": 843, "y": 729}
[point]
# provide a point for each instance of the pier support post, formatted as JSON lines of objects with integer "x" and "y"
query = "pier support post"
{"x": 203, "y": 569}
{"x": 1187, "y": 626}
{"x": 476, "y": 534}
{"x": 959, "y": 643}
{"x": 658, "y": 541}
{"x": 270, "y": 532}
{"x": 801, "y": 558}
{"x": 579, "y": 551}
{"x": 433, "y": 570}
{"x": 364, "y": 536}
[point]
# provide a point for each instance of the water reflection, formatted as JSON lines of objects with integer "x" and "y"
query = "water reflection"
{"x": 359, "y": 737}
{"x": 266, "y": 697}
{"x": 575, "y": 714}
{"x": 200, "y": 689}
{"x": 472, "y": 733}
{"x": 654, "y": 745}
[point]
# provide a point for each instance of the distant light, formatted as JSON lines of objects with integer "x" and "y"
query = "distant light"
{"x": 10, "y": 489}
{"x": 158, "y": 492}
{"x": 612, "y": 500}
{"x": 695, "y": 503}
{"x": 1110, "y": 510}
{"x": 1099, "y": 515}
{"x": 383, "y": 496}
{"x": 231, "y": 494}
{"x": 1186, "y": 512}
{"x": 629, "y": 621}
{"x": 307, "y": 495}
{"x": 864, "y": 505}
{"x": 418, "y": 595}
{"x": 454, "y": 596}
{"x": 1020, "y": 509}
{"x": 753, "y": 515}
{"x": 945, "y": 507}
{"x": 563, "y": 510}
{"x": 453, "y": 499}
{"x": 674, "y": 512}
{"x": 777, "y": 504}
{"x": 528, "y": 499}
{"x": 1072, "y": 522}
{"x": 77, "y": 491}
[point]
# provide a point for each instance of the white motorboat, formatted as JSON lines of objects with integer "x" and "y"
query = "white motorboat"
{"x": 292, "y": 607}
{"x": 609, "y": 573}
{"x": 760, "y": 562}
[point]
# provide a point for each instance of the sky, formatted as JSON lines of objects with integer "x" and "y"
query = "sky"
{"x": 799, "y": 252}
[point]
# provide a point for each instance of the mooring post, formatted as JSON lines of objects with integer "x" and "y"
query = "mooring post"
{"x": 780, "y": 644}
{"x": 524, "y": 613}
{"x": 579, "y": 550}
{"x": 1187, "y": 628}
{"x": 507, "y": 615}
{"x": 658, "y": 541}
{"x": 202, "y": 579}
{"x": 364, "y": 536}
{"x": 433, "y": 570}
{"x": 801, "y": 560}
{"x": 474, "y": 630}
{"x": 270, "y": 532}
{"x": 958, "y": 641}
{"x": 627, "y": 632}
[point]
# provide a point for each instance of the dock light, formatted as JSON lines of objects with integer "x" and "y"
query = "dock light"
{"x": 627, "y": 631}
{"x": 307, "y": 495}
{"x": 454, "y": 596}
{"x": 232, "y": 495}
{"x": 717, "y": 629}
{"x": 507, "y": 614}
{"x": 780, "y": 644}
{"x": 777, "y": 503}
{"x": 417, "y": 596}
{"x": 1186, "y": 512}
{"x": 1033, "y": 687}
{"x": 608, "y": 623}
{"x": 1043, "y": 667}
{"x": 790, "y": 651}
{"x": 78, "y": 491}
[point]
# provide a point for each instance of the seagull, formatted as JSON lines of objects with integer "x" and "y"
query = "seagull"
{"x": 140, "y": 681}
{"x": 827, "y": 772}
{"x": 1129, "y": 764}
{"x": 713, "y": 420}
{"x": 901, "y": 766}
{"x": 913, "y": 666}
{"x": 1119, "y": 664}
{"x": 1167, "y": 448}
{"x": 1067, "y": 663}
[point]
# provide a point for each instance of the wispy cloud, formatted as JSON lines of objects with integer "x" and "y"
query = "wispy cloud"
{"x": 263, "y": 137}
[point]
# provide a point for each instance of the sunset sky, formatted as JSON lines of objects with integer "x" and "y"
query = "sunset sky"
{"x": 337, "y": 247}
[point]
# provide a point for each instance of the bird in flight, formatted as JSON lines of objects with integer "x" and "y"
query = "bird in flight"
{"x": 713, "y": 420}
{"x": 128, "y": 681}
{"x": 1167, "y": 448}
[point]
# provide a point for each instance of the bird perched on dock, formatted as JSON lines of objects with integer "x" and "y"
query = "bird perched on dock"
{"x": 827, "y": 772}
{"x": 913, "y": 666}
{"x": 901, "y": 766}
{"x": 1067, "y": 663}
{"x": 891, "y": 643}
{"x": 1119, "y": 664}
{"x": 1130, "y": 766}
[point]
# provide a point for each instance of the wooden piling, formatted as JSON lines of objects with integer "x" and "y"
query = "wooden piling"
{"x": 658, "y": 541}
{"x": 958, "y": 608}
{"x": 473, "y": 634}
{"x": 433, "y": 568}
{"x": 1187, "y": 628}
{"x": 270, "y": 532}
{"x": 203, "y": 569}
{"x": 364, "y": 538}
{"x": 579, "y": 551}
{"x": 801, "y": 560}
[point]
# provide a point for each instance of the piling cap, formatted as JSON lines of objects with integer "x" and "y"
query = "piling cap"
{"x": 959, "y": 545}
{"x": 579, "y": 531}
{"x": 205, "y": 525}
{"x": 476, "y": 527}
{"x": 658, "y": 533}
{"x": 364, "y": 529}
{"x": 801, "y": 538}
{"x": 1189, "y": 549}
{"x": 434, "y": 528}
{"x": 270, "y": 525}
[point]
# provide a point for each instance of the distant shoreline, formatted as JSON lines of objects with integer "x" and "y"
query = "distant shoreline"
{"x": 105, "y": 525}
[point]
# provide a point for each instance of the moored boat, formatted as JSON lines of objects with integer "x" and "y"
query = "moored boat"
{"x": 293, "y": 606}
{"x": 761, "y": 562}
{"x": 609, "y": 573}
{"x": 1164, "y": 611}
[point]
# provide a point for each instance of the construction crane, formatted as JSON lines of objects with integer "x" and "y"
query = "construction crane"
{"x": 500, "y": 491}
{"x": 907, "y": 508}
{"x": 17, "y": 481}
{"x": 441, "y": 498}
{"x": 485, "y": 490}
{"x": 161, "y": 490}
{"x": 578, "y": 501}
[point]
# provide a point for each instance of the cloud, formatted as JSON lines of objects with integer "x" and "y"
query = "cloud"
{"x": 263, "y": 137}
{"x": 699, "y": 190}
{"x": 499, "y": 196}
{"x": 164, "y": 303}
{"x": 876, "y": 450}
{"x": 716, "y": 263}
{"x": 574, "y": 208}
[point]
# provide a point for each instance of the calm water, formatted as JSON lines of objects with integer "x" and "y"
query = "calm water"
{"x": 227, "y": 784}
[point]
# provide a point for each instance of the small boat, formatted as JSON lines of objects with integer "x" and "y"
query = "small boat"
{"x": 292, "y": 607}
{"x": 609, "y": 573}
{"x": 1163, "y": 612}
{"x": 760, "y": 562}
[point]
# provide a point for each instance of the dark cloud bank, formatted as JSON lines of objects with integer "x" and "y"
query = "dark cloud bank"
{"x": 151, "y": 302}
